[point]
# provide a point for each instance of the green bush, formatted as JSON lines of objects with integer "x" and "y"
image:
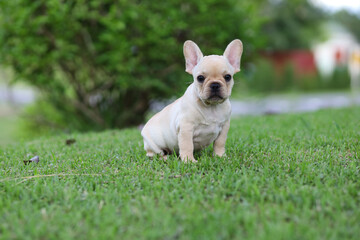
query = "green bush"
{"x": 98, "y": 63}
{"x": 340, "y": 79}
{"x": 264, "y": 78}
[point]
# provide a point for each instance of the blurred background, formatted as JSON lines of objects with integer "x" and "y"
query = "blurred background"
{"x": 90, "y": 65}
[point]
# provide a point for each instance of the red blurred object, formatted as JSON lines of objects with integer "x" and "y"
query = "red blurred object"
{"x": 338, "y": 56}
{"x": 302, "y": 61}
{"x": 341, "y": 56}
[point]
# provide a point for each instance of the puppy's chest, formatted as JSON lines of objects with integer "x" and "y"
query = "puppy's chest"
{"x": 206, "y": 133}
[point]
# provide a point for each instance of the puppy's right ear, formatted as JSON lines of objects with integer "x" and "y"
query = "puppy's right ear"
{"x": 192, "y": 55}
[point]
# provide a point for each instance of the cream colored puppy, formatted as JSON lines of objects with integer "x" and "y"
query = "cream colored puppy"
{"x": 202, "y": 115}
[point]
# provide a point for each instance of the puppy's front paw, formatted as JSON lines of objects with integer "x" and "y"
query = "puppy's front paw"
{"x": 188, "y": 159}
{"x": 220, "y": 152}
{"x": 222, "y": 155}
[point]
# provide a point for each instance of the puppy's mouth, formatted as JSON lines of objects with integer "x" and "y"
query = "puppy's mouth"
{"x": 214, "y": 98}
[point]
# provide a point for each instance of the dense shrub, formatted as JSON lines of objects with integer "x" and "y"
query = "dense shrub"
{"x": 97, "y": 63}
{"x": 264, "y": 78}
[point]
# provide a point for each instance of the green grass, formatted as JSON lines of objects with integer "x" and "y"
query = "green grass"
{"x": 8, "y": 126}
{"x": 286, "y": 177}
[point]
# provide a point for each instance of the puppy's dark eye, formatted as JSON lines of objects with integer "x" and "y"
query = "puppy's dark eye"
{"x": 227, "y": 77}
{"x": 200, "y": 78}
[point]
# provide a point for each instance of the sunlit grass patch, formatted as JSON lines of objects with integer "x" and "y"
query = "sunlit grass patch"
{"x": 292, "y": 176}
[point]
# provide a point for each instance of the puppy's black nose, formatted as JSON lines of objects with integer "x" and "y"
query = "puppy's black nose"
{"x": 215, "y": 86}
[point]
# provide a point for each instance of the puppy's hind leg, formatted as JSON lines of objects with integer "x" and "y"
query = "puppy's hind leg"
{"x": 151, "y": 149}
{"x": 150, "y": 154}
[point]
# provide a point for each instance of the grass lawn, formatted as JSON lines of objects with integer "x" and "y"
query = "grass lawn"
{"x": 8, "y": 123}
{"x": 293, "y": 176}
{"x": 7, "y": 129}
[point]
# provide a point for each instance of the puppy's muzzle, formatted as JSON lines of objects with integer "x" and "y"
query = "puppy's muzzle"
{"x": 215, "y": 91}
{"x": 215, "y": 87}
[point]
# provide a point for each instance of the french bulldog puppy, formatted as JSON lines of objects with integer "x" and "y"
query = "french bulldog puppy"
{"x": 202, "y": 115}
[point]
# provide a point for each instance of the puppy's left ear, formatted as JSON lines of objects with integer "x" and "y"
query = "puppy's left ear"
{"x": 233, "y": 54}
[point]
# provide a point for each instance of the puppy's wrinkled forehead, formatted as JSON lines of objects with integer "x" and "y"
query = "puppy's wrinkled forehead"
{"x": 213, "y": 64}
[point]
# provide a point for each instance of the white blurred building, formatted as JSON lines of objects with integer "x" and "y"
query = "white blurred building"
{"x": 340, "y": 50}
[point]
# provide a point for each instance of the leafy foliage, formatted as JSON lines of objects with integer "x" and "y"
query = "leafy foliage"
{"x": 349, "y": 20}
{"x": 292, "y": 24}
{"x": 99, "y": 62}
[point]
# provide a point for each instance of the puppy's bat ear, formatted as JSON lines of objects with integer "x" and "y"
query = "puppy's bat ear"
{"x": 192, "y": 55}
{"x": 233, "y": 54}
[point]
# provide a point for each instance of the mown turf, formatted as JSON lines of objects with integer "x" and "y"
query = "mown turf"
{"x": 286, "y": 177}
{"x": 7, "y": 129}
